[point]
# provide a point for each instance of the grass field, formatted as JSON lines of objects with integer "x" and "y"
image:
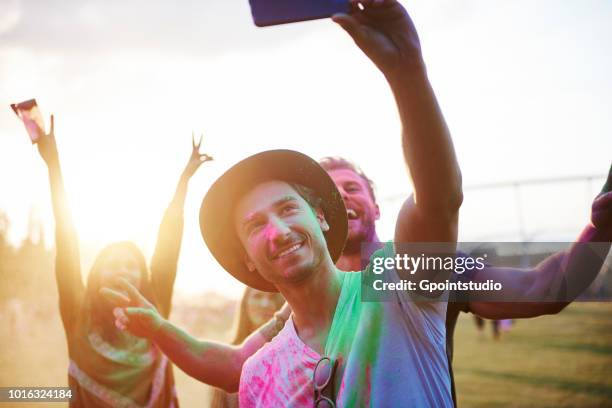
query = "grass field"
{"x": 552, "y": 361}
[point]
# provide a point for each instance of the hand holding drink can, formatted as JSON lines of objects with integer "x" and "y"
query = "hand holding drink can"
{"x": 32, "y": 119}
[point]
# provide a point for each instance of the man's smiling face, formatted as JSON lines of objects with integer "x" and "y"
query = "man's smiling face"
{"x": 362, "y": 210}
{"x": 280, "y": 233}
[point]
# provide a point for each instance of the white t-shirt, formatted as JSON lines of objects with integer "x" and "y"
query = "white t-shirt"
{"x": 390, "y": 354}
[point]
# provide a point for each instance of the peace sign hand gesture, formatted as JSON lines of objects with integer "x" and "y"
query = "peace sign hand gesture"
{"x": 196, "y": 159}
{"x": 134, "y": 312}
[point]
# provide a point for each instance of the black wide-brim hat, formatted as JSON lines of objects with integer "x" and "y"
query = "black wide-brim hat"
{"x": 217, "y": 210}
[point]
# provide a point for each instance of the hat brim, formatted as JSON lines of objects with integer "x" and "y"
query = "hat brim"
{"x": 217, "y": 210}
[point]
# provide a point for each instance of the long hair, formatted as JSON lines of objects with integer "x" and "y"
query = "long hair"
{"x": 243, "y": 325}
{"x": 93, "y": 309}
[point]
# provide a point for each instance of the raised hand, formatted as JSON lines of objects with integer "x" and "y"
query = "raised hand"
{"x": 385, "y": 33}
{"x": 134, "y": 312}
{"x": 196, "y": 159}
{"x": 47, "y": 146}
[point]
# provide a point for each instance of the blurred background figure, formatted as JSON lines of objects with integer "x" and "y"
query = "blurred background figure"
{"x": 255, "y": 309}
{"x": 498, "y": 326}
{"x": 14, "y": 314}
{"x": 481, "y": 323}
{"x": 505, "y": 325}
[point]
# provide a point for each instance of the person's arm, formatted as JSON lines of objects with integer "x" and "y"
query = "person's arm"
{"x": 212, "y": 363}
{"x": 165, "y": 258}
{"x": 67, "y": 259}
{"x": 386, "y": 34}
{"x": 566, "y": 274}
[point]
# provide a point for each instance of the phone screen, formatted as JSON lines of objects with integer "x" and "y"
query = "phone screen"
{"x": 273, "y": 12}
{"x": 29, "y": 113}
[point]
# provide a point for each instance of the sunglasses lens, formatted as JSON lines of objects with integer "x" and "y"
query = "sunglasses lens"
{"x": 322, "y": 373}
{"x": 325, "y": 403}
{"x": 322, "y": 379}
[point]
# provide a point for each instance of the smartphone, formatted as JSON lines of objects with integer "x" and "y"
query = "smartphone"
{"x": 29, "y": 113}
{"x": 274, "y": 12}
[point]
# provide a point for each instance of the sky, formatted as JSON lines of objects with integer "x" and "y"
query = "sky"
{"x": 524, "y": 86}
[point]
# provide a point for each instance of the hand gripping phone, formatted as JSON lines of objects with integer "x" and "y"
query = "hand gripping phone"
{"x": 29, "y": 113}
